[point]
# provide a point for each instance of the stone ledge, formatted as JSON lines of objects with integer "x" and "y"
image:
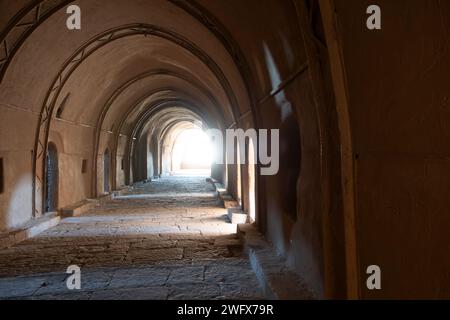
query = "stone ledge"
{"x": 31, "y": 229}
{"x": 275, "y": 279}
{"x": 121, "y": 192}
{"x": 86, "y": 205}
{"x": 224, "y": 196}
{"x": 234, "y": 210}
{"x": 79, "y": 208}
{"x": 237, "y": 216}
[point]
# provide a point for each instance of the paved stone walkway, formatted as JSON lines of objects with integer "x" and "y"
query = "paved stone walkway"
{"x": 163, "y": 240}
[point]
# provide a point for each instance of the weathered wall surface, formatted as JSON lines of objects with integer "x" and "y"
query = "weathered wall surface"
{"x": 74, "y": 185}
{"x": 399, "y": 106}
{"x": 40, "y": 59}
{"x": 16, "y": 151}
{"x": 289, "y": 203}
{"x": 399, "y": 102}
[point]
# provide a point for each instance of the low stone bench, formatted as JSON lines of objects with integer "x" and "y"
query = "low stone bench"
{"x": 237, "y": 216}
{"x": 78, "y": 208}
{"x": 121, "y": 192}
{"x": 234, "y": 210}
{"x": 29, "y": 230}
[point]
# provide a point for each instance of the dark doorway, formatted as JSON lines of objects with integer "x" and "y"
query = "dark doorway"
{"x": 52, "y": 173}
{"x": 1, "y": 176}
{"x": 106, "y": 168}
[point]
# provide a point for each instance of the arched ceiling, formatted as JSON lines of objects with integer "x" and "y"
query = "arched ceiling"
{"x": 217, "y": 57}
{"x": 124, "y": 60}
{"x": 163, "y": 119}
{"x": 206, "y": 42}
{"x": 123, "y": 48}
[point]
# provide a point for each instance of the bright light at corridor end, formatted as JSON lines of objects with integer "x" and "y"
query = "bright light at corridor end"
{"x": 193, "y": 150}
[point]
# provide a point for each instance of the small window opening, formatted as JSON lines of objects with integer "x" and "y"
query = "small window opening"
{"x": 84, "y": 166}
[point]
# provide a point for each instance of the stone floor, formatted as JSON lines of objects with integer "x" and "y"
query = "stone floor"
{"x": 167, "y": 239}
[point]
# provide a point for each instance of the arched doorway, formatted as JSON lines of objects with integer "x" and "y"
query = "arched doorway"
{"x": 106, "y": 169}
{"x": 251, "y": 180}
{"x": 52, "y": 173}
{"x": 192, "y": 153}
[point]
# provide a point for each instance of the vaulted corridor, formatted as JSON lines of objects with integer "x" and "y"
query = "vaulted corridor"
{"x": 225, "y": 149}
{"x": 168, "y": 239}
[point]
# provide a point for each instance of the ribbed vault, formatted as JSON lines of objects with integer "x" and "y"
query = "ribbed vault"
{"x": 112, "y": 97}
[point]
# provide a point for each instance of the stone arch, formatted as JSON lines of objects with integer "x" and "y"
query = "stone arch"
{"x": 174, "y": 111}
{"x": 168, "y": 141}
{"x": 210, "y": 118}
{"x": 88, "y": 49}
{"x": 123, "y": 88}
{"x": 206, "y": 19}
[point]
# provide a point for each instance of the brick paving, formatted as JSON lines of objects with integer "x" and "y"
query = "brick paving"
{"x": 168, "y": 239}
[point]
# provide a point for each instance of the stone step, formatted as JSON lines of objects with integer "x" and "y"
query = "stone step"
{"x": 234, "y": 210}
{"x": 79, "y": 208}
